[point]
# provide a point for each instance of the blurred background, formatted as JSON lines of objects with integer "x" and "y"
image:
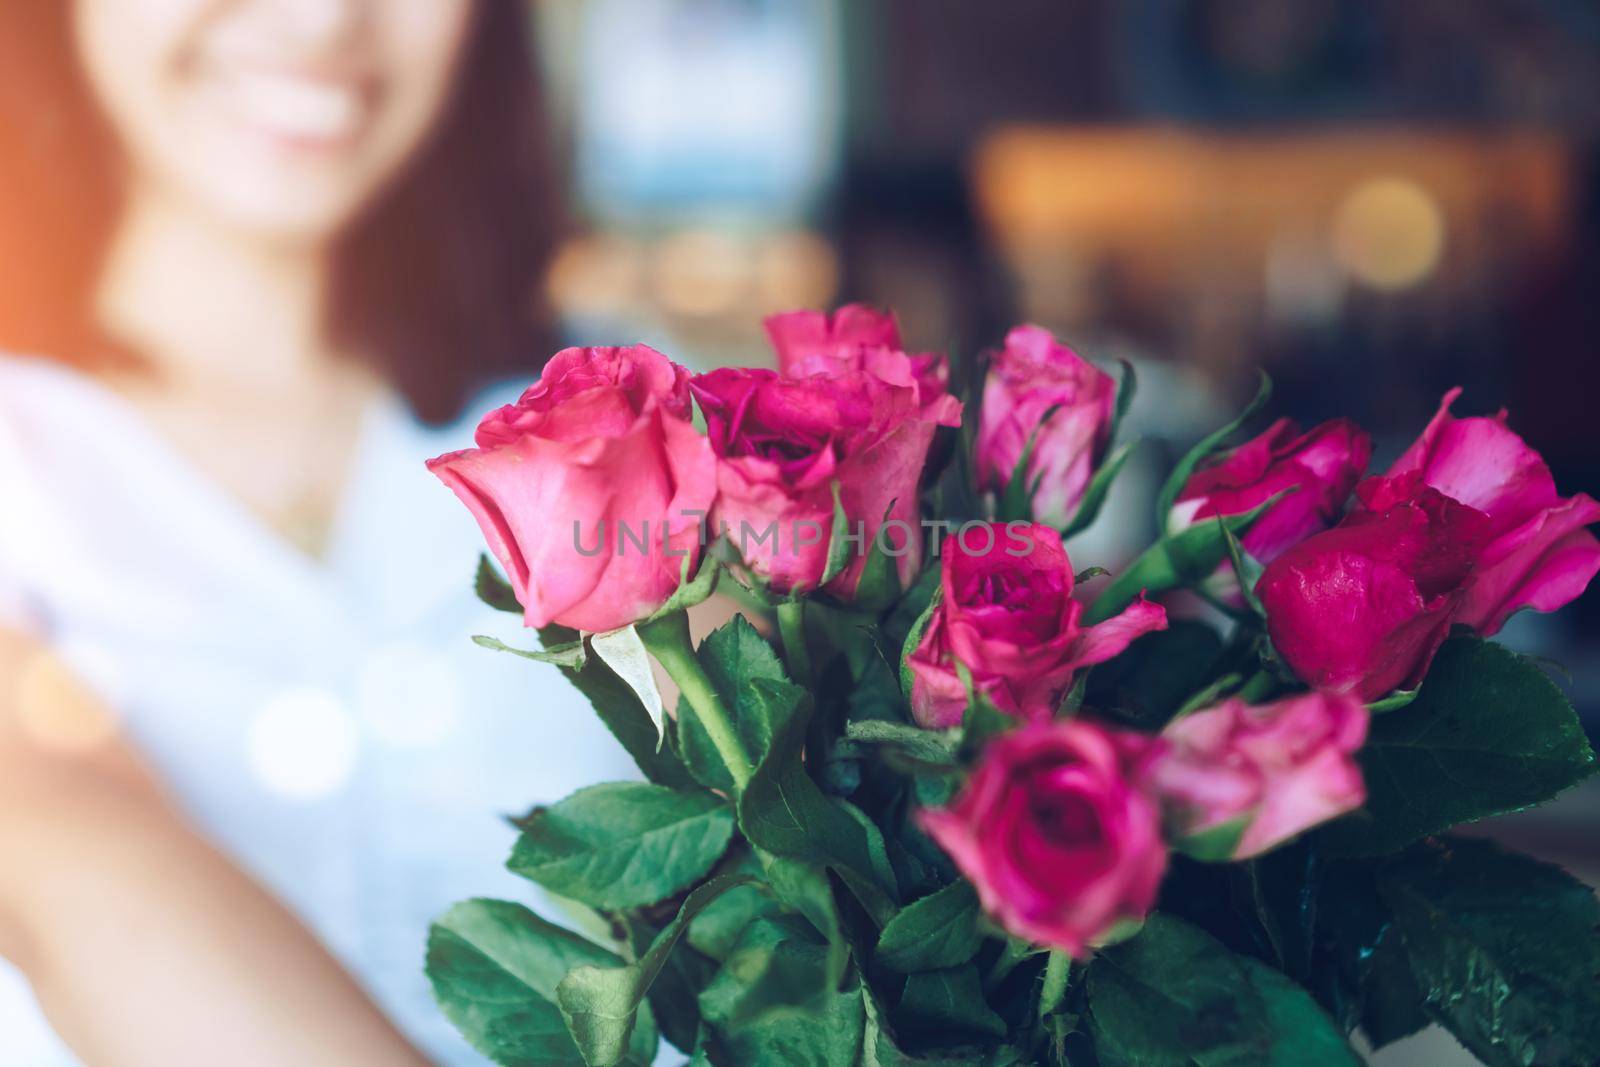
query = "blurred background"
{"x": 1373, "y": 202}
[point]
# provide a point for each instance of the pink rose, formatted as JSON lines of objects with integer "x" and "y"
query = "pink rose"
{"x": 1265, "y": 772}
{"x": 1539, "y": 554}
{"x": 586, "y": 488}
{"x": 1321, "y": 466}
{"x": 1006, "y": 613}
{"x": 853, "y": 338}
{"x": 782, "y": 442}
{"x": 1031, "y": 375}
{"x": 1362, "y": 608}
{"x": 1053, "y": 832}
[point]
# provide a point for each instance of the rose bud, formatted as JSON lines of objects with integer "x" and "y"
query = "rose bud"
{"x": 1320, "y": 467}
{"x": 781, "y": 443}
{"x": 1032, "y": 375}
{"x": 1052, "y": 829}
{"x": 1239, "y": 779}
{"x": 1006, "y": 613}
{"x": 1539, "y": 553}
{"x": 1362, "y": 608}
{"x": 853, "y": 338}
{"x": 591, "y": 488}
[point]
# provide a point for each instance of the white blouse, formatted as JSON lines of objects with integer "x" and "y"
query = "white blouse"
{"x": 326, "y": 722}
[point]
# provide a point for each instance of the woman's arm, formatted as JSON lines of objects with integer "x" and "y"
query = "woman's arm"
{"x": 144, "y": 945}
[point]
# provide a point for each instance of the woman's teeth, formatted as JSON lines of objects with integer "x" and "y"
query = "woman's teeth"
{"x": 297, "y": 107}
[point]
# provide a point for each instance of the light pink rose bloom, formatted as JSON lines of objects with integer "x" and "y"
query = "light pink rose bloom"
{"x": 782, "y": 442}
{"x": 1006, "y": 613}
{"x": 597, "y": 456}
{"x": 1321, "y": 467}
{"x": 1540, "y": 553}
{"x": 1031, "y": 375}
{"x": 1056, "y": 834}
{"x": 1265, "y": 771}
{"x": 855, "y": 337}
{"x": 1363, "y": 607}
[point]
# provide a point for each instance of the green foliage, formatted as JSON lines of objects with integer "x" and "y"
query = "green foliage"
{"x": 1507, "y": 948}
{"x": 618, "y": 707}
{"x": 623, "y": 844}
{"x": 494, "y": 590}
{"x": 948, "y": 1008}
{"x": 1489, "y": 733}
{"x": 1173, "y": 995}
{"x": 495, "y": 969}
{"x": 1204, "y": 449}
{"x": 937, "y": 932}
{"x": 601, "y": 1002}
{"x": 1182, "y": 559}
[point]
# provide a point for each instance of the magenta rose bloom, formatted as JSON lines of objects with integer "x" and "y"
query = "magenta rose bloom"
{"x": 1055, "y": 833}
{"x": 1031, "y": 375}
{"x": 1362, "y": 608}
{"x": 853, "y": 338}
{"x": 1261, "y": 773}
{"x": 1006, "y": 613}
{"x": 1321, "y": 466}
{"x": 782, "y": 442}
{"x": 591, "y": 488}
{"x": 1540, "y": 553}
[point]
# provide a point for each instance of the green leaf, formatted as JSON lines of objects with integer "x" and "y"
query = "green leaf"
{"x": 839, "y": 546}
{"x": 717, "y": 929}
{"x": 781, "y": 810}
{"x": 1365, "y": 975}
{"x": 1099, "y": 487}
{"x": 1185, "y": 558}
{"x": 1016, "y": 501}
{"x": 914, "y": 638}
{"x": 674, "y": 996}
{"x": 1489, "y": 733}
{"x": 935, "y": 748}
{"x": 1246, "y": 571}
{"x": 734, "y": 657}
{"x": 571, "y": 655}
{"x": 494, "y": 590}
{"x": 934, "y": 933}
{"x": 767, "y": 1004}
{"x": 1126, "y": 388}
{"x": 601, "y": 1003}
{"x": 623, "y": 844}
{"x": 1150, "y": 682}
{"x": 1394, "y": 701}
{"x": 777, "y": 963}
{"x": 1172, "y": 996}
{"x": 1507, "y": 948}
{"x": 1201, "y": 451}
{"x": 696, "y": 590}
{"x": 805, "y": 888}
{"x": 495, "y": 967}
{"x": 947, "y": 1007}
{"x": 617, "y": 706}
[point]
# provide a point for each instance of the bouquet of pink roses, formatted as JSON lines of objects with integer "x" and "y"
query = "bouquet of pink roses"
{"x": 942, "y": 799}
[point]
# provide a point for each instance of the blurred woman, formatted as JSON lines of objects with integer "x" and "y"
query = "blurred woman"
{"x": 255, "y": 255}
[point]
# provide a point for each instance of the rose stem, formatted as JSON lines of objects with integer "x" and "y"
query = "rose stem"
{"x": 668, "y": 640}
{"x": 1260, "y": 686}
{"x": 792, "y": 627}
{"x": 1056, "y": 972}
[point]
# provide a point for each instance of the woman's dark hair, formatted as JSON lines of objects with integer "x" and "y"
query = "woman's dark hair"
{"x": 437, "y": 284}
